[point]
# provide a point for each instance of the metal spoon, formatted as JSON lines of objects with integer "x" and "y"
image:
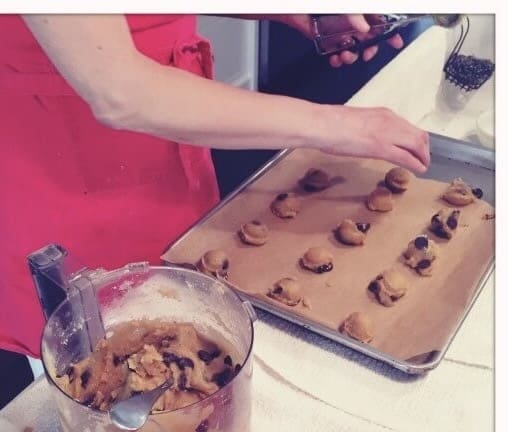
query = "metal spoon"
{"x": 131, "y": 414}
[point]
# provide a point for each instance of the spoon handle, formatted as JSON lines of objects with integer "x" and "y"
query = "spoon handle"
{"x": 131, "y": 414}
{"x": 153, "y": 395}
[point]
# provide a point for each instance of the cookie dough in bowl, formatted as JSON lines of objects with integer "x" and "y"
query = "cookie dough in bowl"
{"x": 398, "y": 179}
{"x": 389, "y": 286}
{"x": 357, "y": 326}
{"x": 287, "y": 291}
{"x": 317, "y": 259}
{"x": 286, "y": 205}
{"x": 421, "y": 254}
{"x": 141, "y": 355}
{"x": 380, "y": 200}
{"x": 351, "y": 233}
{"x": 254, "y": 233}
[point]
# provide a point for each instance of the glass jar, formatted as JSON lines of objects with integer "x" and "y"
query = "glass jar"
{"x": 470, "y": 62}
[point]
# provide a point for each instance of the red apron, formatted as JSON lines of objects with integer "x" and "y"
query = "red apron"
{"x": 110, "y": 197}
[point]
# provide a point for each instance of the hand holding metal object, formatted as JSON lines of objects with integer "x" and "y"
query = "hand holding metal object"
{"x": 333, "y": 35}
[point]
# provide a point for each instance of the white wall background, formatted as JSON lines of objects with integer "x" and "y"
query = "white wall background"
{"x": 235, "y": 48}
{"x": 478, "y": 42}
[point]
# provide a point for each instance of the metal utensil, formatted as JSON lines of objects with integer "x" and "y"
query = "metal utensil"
{"x": 131, "y": 414}
{"x": 328, "y": 41}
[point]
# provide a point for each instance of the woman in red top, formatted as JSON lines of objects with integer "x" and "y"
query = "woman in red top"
{"x": 107, "y": 123}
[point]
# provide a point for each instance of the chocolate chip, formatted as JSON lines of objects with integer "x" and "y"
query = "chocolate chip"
{"x": 168, "y": 358}
{"x": 440, "y": 232}
{"x": 135, "y": 392}
{"x": 203, "y": 426}
{"x": 324, "y": 268}
{"x": 85, "y": 377}
{"x": 182, "y": 381}
{"x": 277, "y": 290}
{"x": 477, "y": 192}
{"x": 69, "y": 372}
{"x": 207, "y": 356}
{"x": 228, "y": 360}
{"x": 117, "y": 360}
{"x": 451, "y": 222}
{"x": 225, "y": 265}
{"x": 238, "y": 368}
{"x": 423, "y": 264}
{"x": 435, "y": 219}
{"x": 222, "y": 378}
{"x": 373, "y": 287}
{"x": 256, "y": 222}
{"x": 185, "y": 362}
{"x": 89, "y": 401}
{"x": 282, "y": 196}
{"x": 421, "y": 242}
{"x": 363, "y": 227}
{"x": 309, "y": 188}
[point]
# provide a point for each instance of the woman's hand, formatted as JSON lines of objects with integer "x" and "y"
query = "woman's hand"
{"x": 376, "y": 133}
{"x": 340, "y": 23}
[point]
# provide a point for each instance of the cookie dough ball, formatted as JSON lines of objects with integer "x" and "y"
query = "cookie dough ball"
{"x": 398, "y": 179}
{"x": 214, "y": 263}
{"x": 389, "y": 286}
{"x": 318, "y": 260}
{"x": 254, "y": 233}
{"x": 421, "y": 255}
{"x": 286, "y": 291}
{"x": 315, "y": 180}
{"x": 445, "y": 222}
{"x": 286, "y": 205}
{"x": 460, "y": 193}
{"x": 352, "y": 233}
{"x": 357, "y": 326}
{"x": 380, "y": 199}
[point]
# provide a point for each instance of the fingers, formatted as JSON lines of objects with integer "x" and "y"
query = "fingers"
{"x": 369, "y": 53}
{"x": 335, "y": 61}
{"x": 406, "y": 159}
{"x": 416, "y": 147}
{"x": 399, "y": 141}
{"x": 347, "y": 57}
{"x": 359, "y": 23}
{"x": 396, "y": 41}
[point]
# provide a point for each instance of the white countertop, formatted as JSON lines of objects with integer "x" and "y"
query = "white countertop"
{"x": 304, "y": 382}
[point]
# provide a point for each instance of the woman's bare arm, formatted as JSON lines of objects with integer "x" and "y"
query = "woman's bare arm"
{"x": 127, "y": 90}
